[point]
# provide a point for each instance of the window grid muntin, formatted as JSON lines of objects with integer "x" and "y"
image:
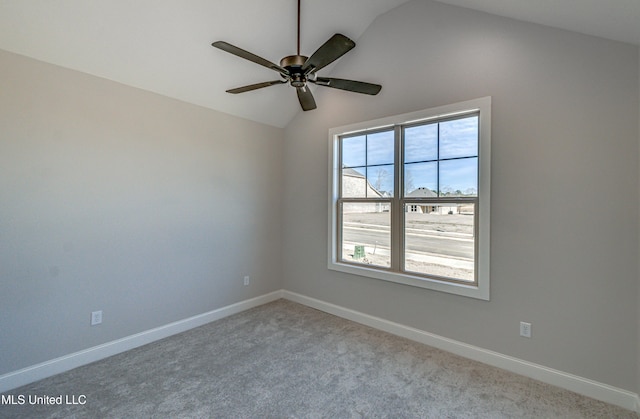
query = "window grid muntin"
{"x": 366, "y": 134}
{"x": 437, "y": 121}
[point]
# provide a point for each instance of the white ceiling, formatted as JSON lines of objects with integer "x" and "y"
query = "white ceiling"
{"x": 164, "y": 46}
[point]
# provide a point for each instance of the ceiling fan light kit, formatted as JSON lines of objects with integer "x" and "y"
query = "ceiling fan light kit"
{"x": 298, "y": 70}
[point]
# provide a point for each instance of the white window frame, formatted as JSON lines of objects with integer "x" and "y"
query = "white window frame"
{"x": 481, "y": 289}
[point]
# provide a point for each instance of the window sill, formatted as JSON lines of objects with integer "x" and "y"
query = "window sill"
{"x": 472, "y": 291}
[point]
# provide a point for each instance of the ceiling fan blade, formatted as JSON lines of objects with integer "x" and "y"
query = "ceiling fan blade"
{"x": 350, "y": 85}
{"x": 306, "y": 98}
{"x": 255, "y": 86}
{"x": 334, "y": 48}
{"x": 232, "y": 49}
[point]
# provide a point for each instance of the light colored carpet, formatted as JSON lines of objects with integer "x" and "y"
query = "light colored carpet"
{"x": 287, "y": 360}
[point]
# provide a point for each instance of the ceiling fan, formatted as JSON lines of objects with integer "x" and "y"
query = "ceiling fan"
{"x": 298, "y": 70}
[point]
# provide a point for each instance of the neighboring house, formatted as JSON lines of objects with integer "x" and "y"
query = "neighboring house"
{"x": 356, "y": 185}
{"x": 421, "y": 208}
{"x": 424, "y": 208}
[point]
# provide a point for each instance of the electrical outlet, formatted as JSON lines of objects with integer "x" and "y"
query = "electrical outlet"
{"x": 525, "y": 329}
{"x": 96, "y": 317}
{"x": 246, "y": 280}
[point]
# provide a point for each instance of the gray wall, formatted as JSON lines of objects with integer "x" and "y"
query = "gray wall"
{"x": 564, "y": 184}
{"x": 117, "y": 199}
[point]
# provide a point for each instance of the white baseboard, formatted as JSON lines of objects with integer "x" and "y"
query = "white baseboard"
{"x": 580, "y": 385}
{"x": 52, "y": 367}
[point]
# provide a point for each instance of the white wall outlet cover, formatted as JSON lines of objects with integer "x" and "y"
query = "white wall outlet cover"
{"x": 96, "y": 317}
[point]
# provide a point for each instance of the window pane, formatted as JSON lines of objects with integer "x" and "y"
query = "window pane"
{"x": 380, "y": 148}
{"x": 439, "y": 239}
{"x": 420, "y": 179}
{"x": 380, "y": 181}
{"x": 459, "y": 138}
{"x": 366, "y": 236}
{"x": 459, "y": 177}
{"x": 354, "y": 151}
{"x": 354, "y": 182}
{"x": 421, "y": 143}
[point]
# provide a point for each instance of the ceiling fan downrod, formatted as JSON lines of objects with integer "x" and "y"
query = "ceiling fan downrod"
{"x": 294, "y": 63}
{"x": 298, "y": 27}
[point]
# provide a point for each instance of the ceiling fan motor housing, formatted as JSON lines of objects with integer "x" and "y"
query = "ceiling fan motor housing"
{"x": 293, "y": 63}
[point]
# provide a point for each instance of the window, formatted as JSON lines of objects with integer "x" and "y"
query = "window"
{"x": 409, "y": 198}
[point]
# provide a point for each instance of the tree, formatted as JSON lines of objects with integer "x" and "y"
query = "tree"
{"x": 381, "y": 176}
{"x": 408, "y": 182}
{"x": 446, "y": 191}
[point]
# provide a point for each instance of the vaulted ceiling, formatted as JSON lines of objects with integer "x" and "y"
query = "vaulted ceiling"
{"x": 165, "y": 46}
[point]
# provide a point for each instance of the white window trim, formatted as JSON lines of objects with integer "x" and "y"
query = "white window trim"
{"x": 479, "y": 291}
